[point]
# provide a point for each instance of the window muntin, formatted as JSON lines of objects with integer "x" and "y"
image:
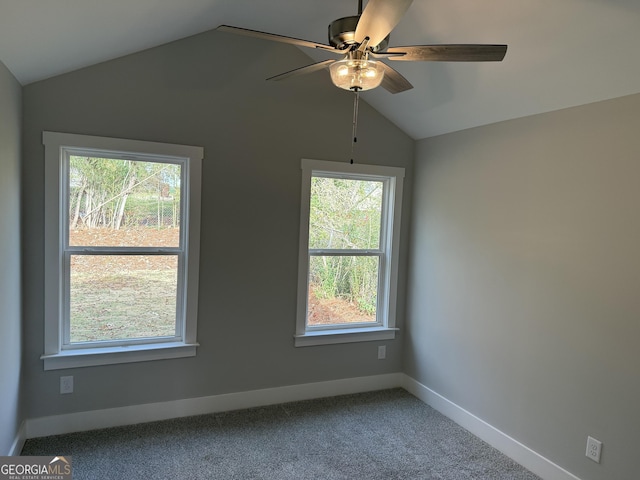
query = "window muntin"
{"x": 350, "y": 228}
{"x": 121, "y": 263}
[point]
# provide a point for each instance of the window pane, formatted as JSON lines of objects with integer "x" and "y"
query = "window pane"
{"x": 123, "y": 203}
{"x": 345, "y": 213}
{"x": 115, "y": 297}
{"x": 342, "y": 290}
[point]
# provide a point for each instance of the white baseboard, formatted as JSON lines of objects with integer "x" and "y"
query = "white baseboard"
{"x": 513, "y": 449}
{"x": 18, "y": 443}
{"x": 113, "y": 417}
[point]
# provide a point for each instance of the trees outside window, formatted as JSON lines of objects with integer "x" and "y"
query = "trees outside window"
{"x": 348, "y": 252}
{"x": 122, "y": 244}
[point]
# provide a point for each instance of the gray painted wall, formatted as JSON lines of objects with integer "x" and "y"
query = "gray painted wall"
{"x": 10, "y": 280}
{"x": 209, "y": 90}
{"x": 523, "y": 301}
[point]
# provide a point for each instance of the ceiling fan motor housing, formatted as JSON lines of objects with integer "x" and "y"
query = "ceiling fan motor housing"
{"x": 342, "y": 34}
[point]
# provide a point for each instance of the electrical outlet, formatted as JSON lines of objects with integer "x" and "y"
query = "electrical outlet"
{"x": 594, "y": 449}
{"x": 382, "y": 352}
{"x": 66, "y": 384}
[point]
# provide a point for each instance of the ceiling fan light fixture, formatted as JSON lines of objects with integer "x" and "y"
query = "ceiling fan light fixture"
{"x": 356, "y": 74}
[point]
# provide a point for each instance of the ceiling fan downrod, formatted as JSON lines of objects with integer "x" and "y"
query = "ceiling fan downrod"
{"x": 356, "y": 102}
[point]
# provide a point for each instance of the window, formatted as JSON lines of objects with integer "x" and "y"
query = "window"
{"x": 348, "y": 263}
{"x": 122, "y": 228}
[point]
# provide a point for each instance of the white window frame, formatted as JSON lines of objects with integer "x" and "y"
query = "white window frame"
{"x": 385, "y": 326}
{"x": 59, "y": 353}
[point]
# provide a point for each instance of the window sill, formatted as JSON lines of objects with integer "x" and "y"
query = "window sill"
{"x": 329, "y": 337}
{"x": 89, "y": 357}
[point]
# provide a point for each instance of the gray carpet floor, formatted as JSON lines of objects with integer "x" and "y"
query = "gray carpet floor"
{"x": 384, "y": 435}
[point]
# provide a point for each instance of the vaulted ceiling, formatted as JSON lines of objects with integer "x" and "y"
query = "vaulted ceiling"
{"x": 561, "y": 53}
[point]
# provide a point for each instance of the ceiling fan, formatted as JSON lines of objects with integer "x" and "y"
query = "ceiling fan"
{"x": 363, "y": 39}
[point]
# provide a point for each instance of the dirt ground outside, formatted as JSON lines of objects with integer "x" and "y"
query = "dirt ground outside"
{"x": 133, "y": 296}
{"x": 332, "y": 311}
{"x": 123, "y": 296}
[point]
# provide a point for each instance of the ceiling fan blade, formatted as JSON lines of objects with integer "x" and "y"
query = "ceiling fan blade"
{"x": 314, "y": 67}
{"x": 393, "y": 82}
{"x": 276, "y": 38}
{"x": 379, "y": 18}
{"x": 449, "y": 53}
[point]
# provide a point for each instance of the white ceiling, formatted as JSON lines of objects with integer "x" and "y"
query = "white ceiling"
{"x": 561, "y": 53}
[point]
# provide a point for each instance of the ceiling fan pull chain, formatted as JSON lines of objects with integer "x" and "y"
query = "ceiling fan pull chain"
{"x": 356, "y": 101}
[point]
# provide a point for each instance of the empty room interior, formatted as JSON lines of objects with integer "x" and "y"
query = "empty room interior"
{"x": 507, "y": 265}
